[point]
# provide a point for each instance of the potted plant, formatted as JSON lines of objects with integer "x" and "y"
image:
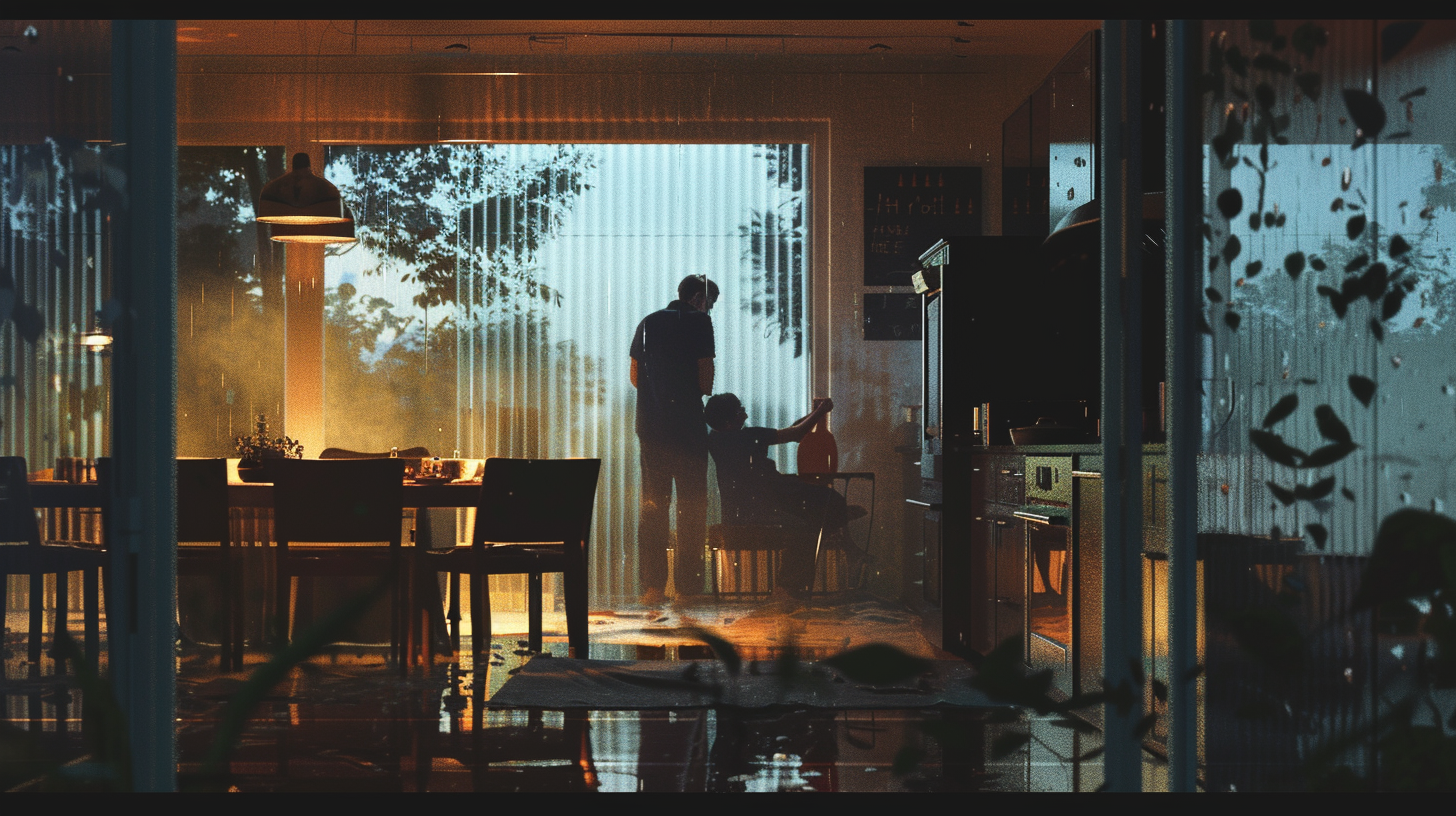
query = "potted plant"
{"x": 258, "y": 448}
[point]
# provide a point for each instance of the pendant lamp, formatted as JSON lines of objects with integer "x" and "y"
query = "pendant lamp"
{"x": 304, "y": 208}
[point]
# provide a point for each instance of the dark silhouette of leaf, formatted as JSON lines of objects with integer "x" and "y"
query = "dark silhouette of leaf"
{"x": 1374, "y": 281}
{"x": 1398, "y": 246}
{"x": 1396, "y": 36}
{"x": 1253, "y": 269}
{"x": 1144, "y": 726}
{"x": 1308, "y": 83}
{"x": 1400, "y": 134}
{"x": 1262, "y": 30}
{"x": 1271, "y": 63}
{"x": 1213, "y": 295}
{"x": 878, "y": 664}
{"x": 1308, "y": 381}
{"x": 1407, "y": 561}
{"x": 1307, "y": 37}
{"x": 1268, "y": 634}
{"x": 1318, "y": 490}
{"x": 1283, "y": 494}
{"x": 1160, "y": 689}
{"x": 1347, "y": 493}
{"x": 1254, "y": 221}
{"x": 1135, "y": 670}
{"x": 1329, "y": 454}
{"x": 1294, "y": 264}
{"x": 1275, "y": 534}
{"x": 28, "y": 322}
{"x": 1274, "y": 447}
{"x": 1230, "y": 202}
{"x": 1318, "y": 533}
{"x": 1236, "y": 60}
{"x": 1357, "y": 262}
{"x": 1391, "y": 307}
{"x": 1233, "y": 133}
{"x": 1355, "y": 226}
{"x": 1203, "y": 326}
{"x": 1232, "y": 320}
{"x": 1007, "y": 744}
{"x": 1269, "y": 219}
{"x": 1337, "y": 205}
{"x": 1409, "y": 95}
{"x": 907, "y": 760}
{"x": 1363, "y": 388}
{"x": 1263, "y": 94}
{"x": 1317, "y": 264}
{"x": 1232, "y": 248}
{"x": 726, "y": 653}
{"x": 1367, "y": 113}
{"x": 1337, "y": 301}
{"x": 1330, "y": 426}
{"x": 1283, "y": 408}
{"x": 1377, "y": 330}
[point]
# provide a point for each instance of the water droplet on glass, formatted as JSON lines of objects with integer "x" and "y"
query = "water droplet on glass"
{"x": 1395, "y": 360}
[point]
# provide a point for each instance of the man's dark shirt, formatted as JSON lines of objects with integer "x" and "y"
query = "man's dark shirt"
{"x": 667, "y": 347}
{"x": 746, "y": 474}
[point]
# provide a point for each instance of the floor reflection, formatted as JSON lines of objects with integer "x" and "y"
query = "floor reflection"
{"x": 346, "y": 721}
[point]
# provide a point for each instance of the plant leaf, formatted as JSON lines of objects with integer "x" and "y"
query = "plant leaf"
{"x": 1398, "y": 246}
{"x": 1329, "y": 454}
{"x": 1213, "y": 295}
{"x": 1253, "y": 269}
{"x": 1294, "y": 264}
{"x": 1281, "y": 409}
{"x": 1330, "y": 426}
{"x": 878, "y": 664}
{"x": 1396, "y": 36}
{"x": 1307, "y": 38}
{"x": 1318, "y": 533}
{"x": 1316, "y": 491}
{"x": 1283, "y": 494}
{"x": 1232, "y": 248}
{"x": 1357, "y": 262}
{"x": 1308, "y": 83}
{"x": 1232, "y": 319}
{"x": 1406, "y": 559}
{"x": 1355, "y": 226}
{"x": 1391, "y": 306}
{"x": 1367, "y": 113}
{"x": 1274, "y": 447}
{"x": 1230, "y": 202}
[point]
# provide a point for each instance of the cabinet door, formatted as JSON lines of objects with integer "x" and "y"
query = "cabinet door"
{"x": 1010, "y": 544}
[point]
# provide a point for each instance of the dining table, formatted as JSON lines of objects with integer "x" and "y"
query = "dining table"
{"x": 251, "y": 501}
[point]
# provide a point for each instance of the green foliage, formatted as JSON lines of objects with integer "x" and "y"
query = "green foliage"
{"x": 434, "y": 210}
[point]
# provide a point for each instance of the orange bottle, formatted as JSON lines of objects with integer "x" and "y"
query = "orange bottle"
{"x": 818, "y": 452}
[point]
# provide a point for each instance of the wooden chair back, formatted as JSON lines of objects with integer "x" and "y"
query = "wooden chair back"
{"x": 342, "y": 500}
{"x": 546, "y": 501}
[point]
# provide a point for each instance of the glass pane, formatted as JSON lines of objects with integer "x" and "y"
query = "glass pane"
{"x": 1328, "y": 399}
{"x": 489, "y": 304}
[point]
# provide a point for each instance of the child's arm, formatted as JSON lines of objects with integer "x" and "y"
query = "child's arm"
{"x": 800, "y": 429}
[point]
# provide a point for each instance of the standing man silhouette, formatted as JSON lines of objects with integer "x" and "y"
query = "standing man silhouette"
{"x": 672, "y": 370}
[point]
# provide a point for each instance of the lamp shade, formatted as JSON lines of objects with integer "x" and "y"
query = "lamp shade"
{"x": 300, "y": 197}
{"x": 334, "y": 232}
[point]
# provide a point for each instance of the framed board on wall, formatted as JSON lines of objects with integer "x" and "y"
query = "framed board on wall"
{"x": 909, "y": 208}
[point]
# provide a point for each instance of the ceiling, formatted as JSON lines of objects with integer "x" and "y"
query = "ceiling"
{"x": 886, "y": 39}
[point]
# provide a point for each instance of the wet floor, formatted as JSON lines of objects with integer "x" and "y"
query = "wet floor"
{"x": 347, "y": 721}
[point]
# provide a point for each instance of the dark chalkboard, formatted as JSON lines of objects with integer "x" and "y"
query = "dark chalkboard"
{"x": 909, "y": 208}
{"x": 892, "y": 317}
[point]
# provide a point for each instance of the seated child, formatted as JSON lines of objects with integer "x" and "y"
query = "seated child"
{"x": 754, "y": 492}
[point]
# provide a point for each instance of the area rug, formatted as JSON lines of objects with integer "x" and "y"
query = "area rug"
{"x": 562, "y": 683}
{"x": 766, "y": 630}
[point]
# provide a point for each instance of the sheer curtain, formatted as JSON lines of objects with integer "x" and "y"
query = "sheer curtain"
{"x": 489, "y": 305}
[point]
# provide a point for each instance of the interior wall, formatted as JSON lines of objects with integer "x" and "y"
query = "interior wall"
{"x": 855, "y": 112}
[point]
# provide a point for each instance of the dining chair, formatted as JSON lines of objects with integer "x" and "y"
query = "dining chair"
{"x": 202, "y": 516}
{"x": 26, "y": 554}
{"x": 533, "y": 517}
{"x": 345, "y": 514}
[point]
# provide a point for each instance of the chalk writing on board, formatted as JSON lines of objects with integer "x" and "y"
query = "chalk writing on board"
{"x": 909, "y": 208}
